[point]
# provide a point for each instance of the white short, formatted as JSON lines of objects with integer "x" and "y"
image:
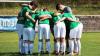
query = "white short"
{"x": 28, "y": 34}
{"x": 60, "y": 30}
{"x": 20, "y": 28}
{"x": 44, "y": 31}
{"x": 76, "y": 32}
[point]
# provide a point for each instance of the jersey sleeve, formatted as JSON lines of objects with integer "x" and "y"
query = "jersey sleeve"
{"x": 51, "y": 13}
{"x": 27, "y": 9}
{"x": 65, "y": 15}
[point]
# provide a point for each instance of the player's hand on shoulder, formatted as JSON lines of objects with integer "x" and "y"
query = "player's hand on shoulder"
{"x": 57, "y": 22}
{"x": 33, "y": 20}
{"x": 44, "y": 17}
{"x": 78, "y": 20}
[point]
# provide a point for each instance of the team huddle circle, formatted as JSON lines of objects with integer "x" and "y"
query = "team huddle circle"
{"x": 64, "y": 26}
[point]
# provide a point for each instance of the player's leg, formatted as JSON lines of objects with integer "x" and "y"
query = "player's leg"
{"x": 21, "y": 40}
{"x": 78, "y": 37}
{"x": 25, "y": 39}
{"x": 57, "y": 45}
{"x": 20, "y": 34}
{"x": 62, "y": 45}
{"x": 42, "y": 47}
{"x": 62, "y": 38}
{"x": 57, "y": 39}
{"x": 67, "y": 24}
{"x": 31, "y": 39}
{"x": 71, "y": 41}
{"x": 52, "y": 31}
{"x": 40, "y": 37}
{"x": 47, "y": 37}
{"x": 67, "y": 40}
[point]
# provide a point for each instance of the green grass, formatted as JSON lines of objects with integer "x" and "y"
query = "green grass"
{"x": 9, "y": 44}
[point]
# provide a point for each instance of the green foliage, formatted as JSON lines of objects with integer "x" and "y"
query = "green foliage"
{"x": 74, "y": 0}
{"x": 86, "y": 8}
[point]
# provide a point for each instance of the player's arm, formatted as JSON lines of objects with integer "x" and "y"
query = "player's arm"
{"x": 45, "y": 17}
{"x": 70, "y": 19}
{"x": 65, "y": 18}
{"x": 61, "y": 20}
{"x": 34, "y": 11}
{"x": 27, "y": 14}
{"x": 77, "y": 19}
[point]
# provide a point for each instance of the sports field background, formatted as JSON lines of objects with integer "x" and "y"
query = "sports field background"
{"x": 9, "y": 44}
{"x": 90, "y": 41}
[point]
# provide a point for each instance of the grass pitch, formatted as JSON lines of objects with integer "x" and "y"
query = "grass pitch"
{"x": 9, "y": 44}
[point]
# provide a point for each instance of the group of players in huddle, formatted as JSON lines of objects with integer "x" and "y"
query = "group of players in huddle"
{"x": 62, "y": 23}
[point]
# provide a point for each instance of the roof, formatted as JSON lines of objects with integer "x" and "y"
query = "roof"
{"x": 15, "y": 0}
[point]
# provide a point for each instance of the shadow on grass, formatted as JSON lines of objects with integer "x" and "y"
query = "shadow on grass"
{"x": 10, "y": 54}
{"x": 18, "y": 54}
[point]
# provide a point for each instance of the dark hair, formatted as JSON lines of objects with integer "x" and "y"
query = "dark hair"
{"x": 57, "y": 6}
{"x": 45, "y": 9}
{"x": 34, "y": 3}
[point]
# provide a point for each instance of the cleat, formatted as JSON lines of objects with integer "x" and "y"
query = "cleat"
{"x": 47, "y": 52}
{"x": 62, "y": 53}
{"x": 57, "y": 53}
